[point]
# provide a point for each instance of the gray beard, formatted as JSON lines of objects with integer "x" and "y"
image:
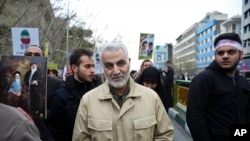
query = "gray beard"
{"x": 33, "y": 70}
{"x": 120, "y": 83}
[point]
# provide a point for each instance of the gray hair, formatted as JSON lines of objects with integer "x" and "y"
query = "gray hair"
{"x": 113, "y": 46}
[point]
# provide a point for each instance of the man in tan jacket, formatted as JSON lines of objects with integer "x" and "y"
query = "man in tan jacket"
{"x": 120, "y": 109}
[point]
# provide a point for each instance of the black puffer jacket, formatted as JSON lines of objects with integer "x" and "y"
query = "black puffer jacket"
{"x": 63, "y": 108}
{"x": 215, "y": 102}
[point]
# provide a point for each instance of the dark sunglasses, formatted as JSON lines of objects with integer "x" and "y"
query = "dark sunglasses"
{"x": 32, "y": 54}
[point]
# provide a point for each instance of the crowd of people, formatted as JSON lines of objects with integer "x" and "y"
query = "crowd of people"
{"x": 126, "y": 104}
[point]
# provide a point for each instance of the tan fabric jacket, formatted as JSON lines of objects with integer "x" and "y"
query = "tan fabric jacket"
{"x": 141, "y": 118}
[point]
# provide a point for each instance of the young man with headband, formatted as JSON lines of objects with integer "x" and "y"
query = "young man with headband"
{"x": 219, "y": 97}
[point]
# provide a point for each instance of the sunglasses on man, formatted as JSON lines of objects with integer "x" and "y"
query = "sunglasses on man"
{"x": 32, "y": 54}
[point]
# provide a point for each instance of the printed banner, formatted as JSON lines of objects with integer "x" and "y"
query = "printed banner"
{"x": 146, "y": 46}
{"x": 23, "y": 83}
{"x": 23, "y": 38}
{"x": 97, "y": 61}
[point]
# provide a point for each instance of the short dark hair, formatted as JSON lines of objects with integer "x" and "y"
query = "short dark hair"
{"x": 168, "y": 62}
{"x": 76, "y": 55}
{"x": 54, "y": 71}
{"x": 144, "y": 42}
{"x": 132, "y": 72}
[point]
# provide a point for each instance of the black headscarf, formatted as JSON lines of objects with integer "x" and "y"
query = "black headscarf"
{"x": 151, "y": 74}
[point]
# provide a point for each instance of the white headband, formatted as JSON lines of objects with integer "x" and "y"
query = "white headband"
{"x": 227, "y": 42}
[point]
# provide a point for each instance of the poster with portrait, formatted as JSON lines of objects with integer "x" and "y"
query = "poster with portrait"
{"x": 146, "y": 46}
{"x": 160, "y": 57}
{"x": 23, "y": 83}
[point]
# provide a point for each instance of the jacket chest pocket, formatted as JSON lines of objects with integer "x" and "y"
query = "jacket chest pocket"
{"x": 144, "y": 128}
{"x": 100, "y": 129}
{"x": 222, "y": 98}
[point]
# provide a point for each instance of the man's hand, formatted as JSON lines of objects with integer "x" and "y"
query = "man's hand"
{"x": 34, "y": 82}
{"x": 17, "y": 93}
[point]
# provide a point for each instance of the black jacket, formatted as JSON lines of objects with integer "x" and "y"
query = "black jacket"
{"x": 215, "y": 102}
{"x": 63, "y": 107}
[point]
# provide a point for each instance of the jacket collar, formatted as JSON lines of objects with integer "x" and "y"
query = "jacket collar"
{"x": 106, "y": 94}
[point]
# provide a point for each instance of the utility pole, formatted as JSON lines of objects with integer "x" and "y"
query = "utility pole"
{"x": 67, "y": 35}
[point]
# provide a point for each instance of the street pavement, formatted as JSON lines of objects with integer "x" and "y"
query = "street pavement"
{"x": 179, "y": 133}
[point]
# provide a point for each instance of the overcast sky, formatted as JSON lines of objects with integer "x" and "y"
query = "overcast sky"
{"x": 167, "y": 19}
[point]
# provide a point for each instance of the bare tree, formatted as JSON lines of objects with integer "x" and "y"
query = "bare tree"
{"x": 50, "y": 17}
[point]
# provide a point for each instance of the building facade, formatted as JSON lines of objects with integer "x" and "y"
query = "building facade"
{"x": 245, "y": 34}
{"x": 184, "y": 51}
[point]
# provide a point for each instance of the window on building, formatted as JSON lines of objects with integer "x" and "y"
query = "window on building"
{"x": 245, "y": 29}
{"x": 244, "y": 43}
{"x": 233, "y": 27}
{"x": 245, "y": 15}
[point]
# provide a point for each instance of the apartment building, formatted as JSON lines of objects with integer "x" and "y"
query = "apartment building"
{"x": 184, "y": 51}
{"x": 205, "y": 38}
{"x": 246, "y": 27}
{"x": 232, "y": 24}
{"x": 244, "y": 65}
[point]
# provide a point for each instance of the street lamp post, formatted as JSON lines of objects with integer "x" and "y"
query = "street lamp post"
{"x": 67, "y": 34}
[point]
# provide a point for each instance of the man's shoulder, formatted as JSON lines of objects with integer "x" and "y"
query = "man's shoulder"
{"x": 10, "y": 111}
{"x": 205, "y": 75}
{"x": 62, "y": 94}
{"x": 170, "y": 69}
{"x": 102, "y": 87}
{"x": 53, "y": 79}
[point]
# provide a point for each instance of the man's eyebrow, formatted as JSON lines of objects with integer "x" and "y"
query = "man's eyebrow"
{"x": 107, "y": 63}
{"x": 122, "y": 60}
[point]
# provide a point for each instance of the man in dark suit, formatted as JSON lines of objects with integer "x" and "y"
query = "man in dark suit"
{"x": 33, "y": 80}
{"x": 150, "y": 48}
{"x": 168, "y": 80}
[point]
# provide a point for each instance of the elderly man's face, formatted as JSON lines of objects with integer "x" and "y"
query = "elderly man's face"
{"x": 116, "y": 67}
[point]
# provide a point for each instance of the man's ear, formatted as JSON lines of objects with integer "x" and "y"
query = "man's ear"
{"x": 241, "y": 54}
{"x": 74, "y": 68}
